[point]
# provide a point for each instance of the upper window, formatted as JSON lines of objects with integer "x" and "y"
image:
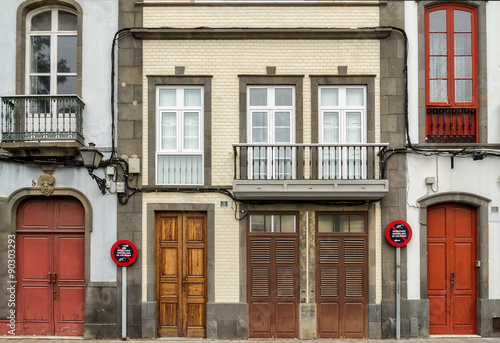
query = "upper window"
{"x": 342, "y": 119}
{"x": 273, "y": 223}
{"x": 341, "y": 223}
{"x": 271, "y": 118}
{"x": 179, "y": 152}
{"x": 52, "y": 52}
{"x": 451, "y": 73}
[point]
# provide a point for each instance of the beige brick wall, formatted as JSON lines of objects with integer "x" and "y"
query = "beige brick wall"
{"x": 265, "y": 16}
{"x": 225, "y": 60}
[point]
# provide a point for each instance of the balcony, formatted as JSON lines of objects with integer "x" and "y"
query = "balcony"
{"x": 451, "y": 125}
{"x": 315, "y": 172}
{"x": 41, "y": 125}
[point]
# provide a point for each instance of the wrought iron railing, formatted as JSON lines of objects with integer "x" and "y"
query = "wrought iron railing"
{"x": 307, "y": 161}
{"x": 41, "y": 118}
{"x": 451, "y": 125}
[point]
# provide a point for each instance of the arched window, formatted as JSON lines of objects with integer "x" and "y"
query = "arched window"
{"x": 451, "y": 73}
{"x": 51, "y": 45}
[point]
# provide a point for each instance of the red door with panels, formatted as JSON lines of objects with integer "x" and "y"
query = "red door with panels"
{"x": 51, "y": 267}
{"x": 451, "y": 270}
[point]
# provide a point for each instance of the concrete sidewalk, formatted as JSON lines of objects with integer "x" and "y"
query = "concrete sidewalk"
{"x": 441, "y": 339}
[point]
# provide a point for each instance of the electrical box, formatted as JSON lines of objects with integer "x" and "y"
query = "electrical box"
{"x": 134, "y": 165}
{"x": 120, "y": 187}
{"x": 110, "y": 171}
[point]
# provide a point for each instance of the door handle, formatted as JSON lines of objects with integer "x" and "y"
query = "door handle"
{"x": 184, "y": 282}
{"x": 452, "y": 281}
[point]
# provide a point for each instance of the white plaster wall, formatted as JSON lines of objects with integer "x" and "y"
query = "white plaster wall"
{"x": 477, "y": 177}
{"x": 100, "y": 22}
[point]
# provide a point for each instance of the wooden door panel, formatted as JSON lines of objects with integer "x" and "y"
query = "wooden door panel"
{"x": 329, "y": 319}
{"x": 354, "y": 319}
{"x": 35, "y": 214}
{"x": 68, "y": 215}
{"x": 451, "y": 273}
{"x": 286, "y": 319}
{"x": 259, "y": 319}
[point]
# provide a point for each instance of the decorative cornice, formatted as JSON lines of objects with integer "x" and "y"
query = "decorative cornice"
{"x": 260, "y": 33}
{"x": 366, "y": 3}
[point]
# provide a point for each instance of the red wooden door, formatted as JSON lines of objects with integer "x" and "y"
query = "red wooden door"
{"x": 451, "y": 272}
{"x": 51, "y": 267}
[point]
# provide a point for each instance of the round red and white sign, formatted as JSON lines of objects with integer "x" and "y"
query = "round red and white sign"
{"x": 398, "y": 233}
{"x": 124, "y": 253}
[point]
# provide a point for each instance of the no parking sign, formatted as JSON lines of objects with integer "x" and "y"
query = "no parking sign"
{"x": 398, "y": 233}
{"x": 124, "y": 253}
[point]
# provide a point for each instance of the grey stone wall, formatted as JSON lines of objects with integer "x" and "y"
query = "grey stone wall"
{"x": 392, "y": 97}
{"x": 129, "y": 135}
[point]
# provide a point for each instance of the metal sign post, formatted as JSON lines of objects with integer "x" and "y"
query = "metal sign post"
{"x": 398, "y": 233}
{"x": 124, "y": 253}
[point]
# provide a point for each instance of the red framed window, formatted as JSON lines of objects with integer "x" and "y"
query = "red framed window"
{"x": 451, "y": 74}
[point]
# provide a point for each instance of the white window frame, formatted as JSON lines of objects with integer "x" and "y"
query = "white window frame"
{"x": 342, "y": 109}
{"x": 179, "y": 110}
{"x": 53, "y": 34}
{"x": 271, "y": 109}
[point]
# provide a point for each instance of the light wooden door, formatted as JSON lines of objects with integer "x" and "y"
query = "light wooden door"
{"x": 451, "y": 271}
{"x": 181, "y": 260}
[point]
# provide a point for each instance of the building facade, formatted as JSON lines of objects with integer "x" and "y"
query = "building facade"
{"x": 265, "y": 194}
{"x": 453, "y": 192}
{"x": 57, "y": 226}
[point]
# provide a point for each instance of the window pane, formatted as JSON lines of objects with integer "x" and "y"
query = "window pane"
{"x": 192, "y": 97}
{"x": 355, "y": 97}
{"x": 167, "y": 97}
{"x": 438, "y": 90}
{"x": 463, "y": 44}
{"x": 67, "y": 21}
{"x": 329, "y": 97}
{"x": 180, "y": 169}
{"x": 437, "y": 67}
{"x": 66, "y": 54}
{"x": 357, "y": 223}
{"x": 341, "y": 223}
{"x": 191, "y": 130}
{"x": 66, "y": 85}
{"x": 287, "y": 223}
{"x": 437, "y": 21}
{"x": 437, "y": 44}
{"x": 463, "y": 67}
{"x": 353, "y": 128}
{"x": 256, "y": 223}
{"x": 330, "y": 127}
{"x": 258, "y": 96}
{"x": 282, "y": 127}
{"x": 40, "y": 54}
{"x": 42, "y": 21}
{"x": 462, "y": 21}
{"x": 283, "y": 96}
{"x": 168, "y": 130}
{"x": 325, "y": 223}
{"x": 259, "y": 127}
{"x": 272, "y": 223}
{"x": 463, "y": 90}
{"x": 40, "y": 85}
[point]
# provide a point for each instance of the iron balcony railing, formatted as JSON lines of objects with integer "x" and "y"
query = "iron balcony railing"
{"x": 307, "y": 161}
{"x": 451, "y": 125}
{"x": 41, "y": 118}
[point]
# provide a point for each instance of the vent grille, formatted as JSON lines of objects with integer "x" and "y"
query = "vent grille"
{"x": 329, "y": 251}
{"x": 260, "y": 282}
{"x": 353, "y": 282}
{"x": 260, "y": 251}
{"x": 354, "y": 251}
{"x": 329, "y": 282}
{"x": 285, "y": 251}
{"x": 285, "y": 281}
